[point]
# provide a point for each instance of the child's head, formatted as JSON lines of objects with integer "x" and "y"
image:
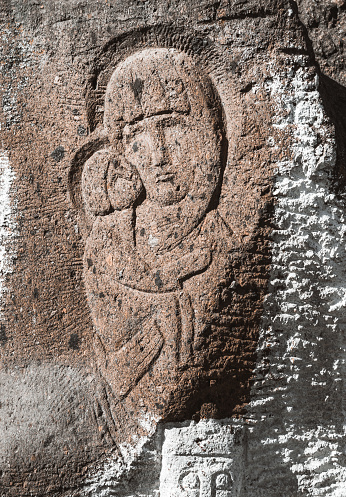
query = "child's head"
{"x": 109, "y": 184}
{"x": 124, "y": 185}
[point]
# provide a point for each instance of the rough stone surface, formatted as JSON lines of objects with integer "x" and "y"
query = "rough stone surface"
{"x": 203, "y": 459}
{"x": 172, "y": 242}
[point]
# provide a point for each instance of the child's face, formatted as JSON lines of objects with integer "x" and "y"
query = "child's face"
{"x": 123, "y": 185}
{"x": 109, "y": 183}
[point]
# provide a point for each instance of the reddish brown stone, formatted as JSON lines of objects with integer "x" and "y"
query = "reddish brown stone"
{"x": 143, "y": 186}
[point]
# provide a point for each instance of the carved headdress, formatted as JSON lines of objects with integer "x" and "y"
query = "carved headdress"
{"x": 158, "y": 81}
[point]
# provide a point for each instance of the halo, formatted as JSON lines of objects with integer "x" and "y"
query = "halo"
{"x": 205, "y": 55}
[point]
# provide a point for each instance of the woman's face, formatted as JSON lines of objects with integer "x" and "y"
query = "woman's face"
{"x": 164, "y": 149}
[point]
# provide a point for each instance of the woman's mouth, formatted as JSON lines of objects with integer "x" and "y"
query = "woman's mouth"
{"x": 163, "y": 178}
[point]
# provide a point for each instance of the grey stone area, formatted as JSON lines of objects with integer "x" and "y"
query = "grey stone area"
{"x": 286, "y": 436}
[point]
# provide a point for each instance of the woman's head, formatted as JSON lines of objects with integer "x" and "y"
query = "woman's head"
{"x": 163, "y": 115}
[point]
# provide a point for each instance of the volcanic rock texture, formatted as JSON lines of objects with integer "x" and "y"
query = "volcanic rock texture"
{"x": 172, "y": 248}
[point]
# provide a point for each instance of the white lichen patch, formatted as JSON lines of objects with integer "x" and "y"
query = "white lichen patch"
{"x": 304, "y": 320}
{"x": 16, "y": 56}
{"x": 7, "y": 221}
{"x": 131, "y": 451}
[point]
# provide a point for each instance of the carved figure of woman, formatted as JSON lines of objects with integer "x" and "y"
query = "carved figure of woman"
{"x": 156, "y": 247}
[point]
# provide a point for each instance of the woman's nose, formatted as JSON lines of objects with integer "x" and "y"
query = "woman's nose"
{"x": 159, "y": 154}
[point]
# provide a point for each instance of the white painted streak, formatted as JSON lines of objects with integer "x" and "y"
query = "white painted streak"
{"x": 7, "y": 222}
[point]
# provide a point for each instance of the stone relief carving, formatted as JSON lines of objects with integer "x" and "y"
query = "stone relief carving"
{"x": 156, "y": 246}
{"x": 268, "y": 62}
{"x": 203, "y": 460}
{"x": 159, "y": 245}
{"x": 211, "y": 481}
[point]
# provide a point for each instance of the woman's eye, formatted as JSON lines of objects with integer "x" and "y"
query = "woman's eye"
{"x": 137, "y": 148}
